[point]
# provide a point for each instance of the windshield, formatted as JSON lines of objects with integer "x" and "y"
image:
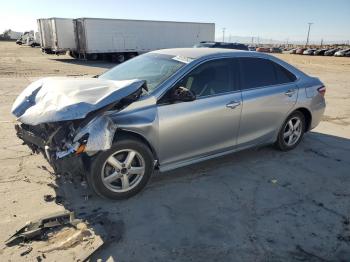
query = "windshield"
{"x": 154, "y": 68}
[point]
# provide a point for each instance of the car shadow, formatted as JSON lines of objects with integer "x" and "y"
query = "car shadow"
{"x": 100, "y": 63}
{"x": 227, "y": 207}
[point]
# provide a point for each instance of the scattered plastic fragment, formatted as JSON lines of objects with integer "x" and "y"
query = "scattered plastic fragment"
{"x": 49, "y": 198}
{"x": 26, "y": 252}
{"x": 273, "y": 181}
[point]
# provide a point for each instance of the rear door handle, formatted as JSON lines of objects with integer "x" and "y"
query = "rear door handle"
{"x": 290, "y": 92}
{"x": 233, "y": 104}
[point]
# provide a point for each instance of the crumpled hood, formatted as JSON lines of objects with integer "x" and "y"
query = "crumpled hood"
{"x": 55, "y": 99}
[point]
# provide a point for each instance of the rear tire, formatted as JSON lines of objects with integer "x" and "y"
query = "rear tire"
{"x": 73, "y": 54}
{"x": 113, "y": 176}
{"x": 118, "y": 58}
{"x": 291, "y": 132}
{"x": 92, "y": 57}
{"x": 131, "y": 55}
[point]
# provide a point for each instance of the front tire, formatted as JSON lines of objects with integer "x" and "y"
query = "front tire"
{"x": 291, "y": 132}
{"x": 122, "y": 171}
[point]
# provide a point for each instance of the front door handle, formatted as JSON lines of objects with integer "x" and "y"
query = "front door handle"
{"x": 233, "y": 104}
{"x": 290, "y": 92}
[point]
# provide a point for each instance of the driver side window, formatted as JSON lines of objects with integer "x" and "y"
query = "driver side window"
{"x": 210, "y": 78}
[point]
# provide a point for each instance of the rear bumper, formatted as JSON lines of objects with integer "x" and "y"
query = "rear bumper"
{"x": 317, "y": 114}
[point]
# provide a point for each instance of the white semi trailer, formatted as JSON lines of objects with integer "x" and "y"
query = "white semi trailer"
{"x": 118, "y": 39}
{"x": 56, "y": 34}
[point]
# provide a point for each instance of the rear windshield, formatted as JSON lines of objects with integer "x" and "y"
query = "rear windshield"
{"x": 205, "y": 45}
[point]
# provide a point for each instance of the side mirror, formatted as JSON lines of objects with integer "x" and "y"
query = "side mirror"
{"x": 182, "y": 94}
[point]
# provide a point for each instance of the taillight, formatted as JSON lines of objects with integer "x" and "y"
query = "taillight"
{"x": 322, "y": 90}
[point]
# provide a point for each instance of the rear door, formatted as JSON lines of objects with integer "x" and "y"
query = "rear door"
{"x": 269, "y": 92}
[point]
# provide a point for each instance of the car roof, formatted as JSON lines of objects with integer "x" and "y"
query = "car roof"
{"x": 196, "y": 53}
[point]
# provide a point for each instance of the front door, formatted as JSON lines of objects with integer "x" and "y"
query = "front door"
{"x": 207, "y": 125}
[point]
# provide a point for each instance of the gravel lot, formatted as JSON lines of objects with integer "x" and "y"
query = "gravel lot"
{"x": 256, "y": 205}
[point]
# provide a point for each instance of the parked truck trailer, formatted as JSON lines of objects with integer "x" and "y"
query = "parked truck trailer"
{"x": 119, "y": 39}
{"x": 56, "y": 34}
{"x": 29, "y": 38}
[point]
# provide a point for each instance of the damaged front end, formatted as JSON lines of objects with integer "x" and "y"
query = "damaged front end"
{"x": 70, "y": 143}
{"x": 56, "y": 142}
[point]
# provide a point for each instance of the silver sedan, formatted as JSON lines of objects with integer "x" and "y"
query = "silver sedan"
{"x": 195, "y": 104}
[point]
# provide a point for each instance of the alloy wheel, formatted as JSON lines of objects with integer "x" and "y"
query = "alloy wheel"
{"x": 292, "y": 131}
{"x": 123, "y": 170}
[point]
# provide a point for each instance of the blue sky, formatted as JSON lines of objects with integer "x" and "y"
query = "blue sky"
{"x": 269, "y": 19}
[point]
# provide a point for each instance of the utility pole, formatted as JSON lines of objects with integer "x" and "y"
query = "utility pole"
{"x": 321, "y": 42}
{"x": 223, "y": 34}
{"x": 308, "y": 34}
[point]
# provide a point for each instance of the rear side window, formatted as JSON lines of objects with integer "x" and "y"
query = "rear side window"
{"x": 258, "y": 72}
{"x": 283, "y": 75}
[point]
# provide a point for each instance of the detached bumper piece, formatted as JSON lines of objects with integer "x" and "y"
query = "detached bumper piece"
{"x": 59, "y": 235}
{"x": 36, "y": 229}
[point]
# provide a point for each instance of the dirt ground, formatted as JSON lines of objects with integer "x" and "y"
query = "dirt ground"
{"x": 256, "y": 205}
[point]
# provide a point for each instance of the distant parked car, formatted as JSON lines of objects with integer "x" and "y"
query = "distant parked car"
{"x": 331, "y": 52}
{"x": 275, "y": 50}
{"x": 237, "y": 46}
{"x": 309, "y": 51}
{"x": 251, "y": 48}
{"x": 292, "y": 51}
{"x": 263, "y": 49}
{"x": 320, "y": 51}
{"x": 347, "y": 54}
{"x": 341, "y": 52}
{"x": 300, "y": 51}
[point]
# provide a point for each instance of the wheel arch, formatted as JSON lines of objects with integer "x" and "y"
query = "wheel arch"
{"x": 307, "y": 115}
{"x": 123, "y": 133}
